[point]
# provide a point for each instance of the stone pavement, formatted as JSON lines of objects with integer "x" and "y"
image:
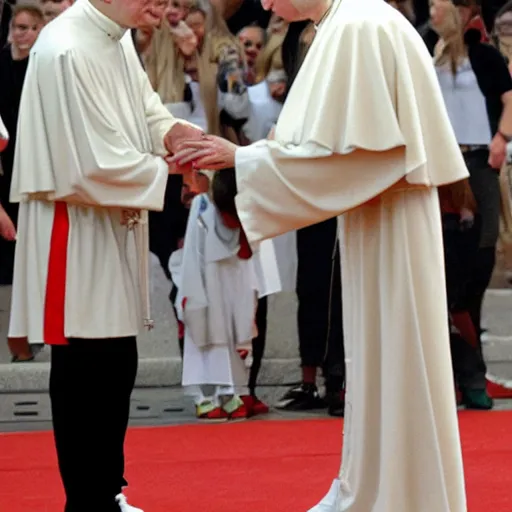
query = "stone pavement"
{"x": 23, "y": 387}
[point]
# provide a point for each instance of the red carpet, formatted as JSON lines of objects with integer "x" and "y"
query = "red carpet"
{"x": 273, "y": 466}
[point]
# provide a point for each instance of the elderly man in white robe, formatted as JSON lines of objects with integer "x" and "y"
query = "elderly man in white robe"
{"x": 364, "y": 135}
{"x": 89, "y": 163}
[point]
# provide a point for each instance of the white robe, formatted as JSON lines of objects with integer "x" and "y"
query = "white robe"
{"x": 89, "y": 130}
{"x": 263, "y": 114}
{"x": 364, "y": 134}
{"x": 220, "y": 291}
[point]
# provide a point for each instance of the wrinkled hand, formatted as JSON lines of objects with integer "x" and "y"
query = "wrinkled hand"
{"x": 211, "y": 152}
{"x": 180, "y": 133}
{"x": 497, "y": 152}
{"x": 7, "y": 229}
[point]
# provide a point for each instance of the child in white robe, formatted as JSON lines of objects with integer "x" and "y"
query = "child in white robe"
{"x": 218, "y": 296}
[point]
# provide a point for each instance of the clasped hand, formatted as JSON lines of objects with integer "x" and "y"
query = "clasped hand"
{"x": 209, "y": 153}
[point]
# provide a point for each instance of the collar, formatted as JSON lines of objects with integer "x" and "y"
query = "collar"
{"x": 109, "y": 27}
{"x": 325, "y": 16}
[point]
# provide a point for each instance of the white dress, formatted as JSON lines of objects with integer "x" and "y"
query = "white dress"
{"x": 219, "y": 291}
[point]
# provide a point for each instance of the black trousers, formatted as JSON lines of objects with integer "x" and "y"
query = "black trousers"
{"x": 319, "y": 315}
{"x": 485, "y": 186}
{"x": 91, "y": 382}
{"x": 258, "y": 344}
{"x": 461, "y": 251}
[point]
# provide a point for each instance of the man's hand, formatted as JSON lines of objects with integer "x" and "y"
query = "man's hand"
{"x": 180, "y": 133}
{"x": 497, "y": 151}
{"x": 7, "y": 229}
{"x": 210, "y": 152}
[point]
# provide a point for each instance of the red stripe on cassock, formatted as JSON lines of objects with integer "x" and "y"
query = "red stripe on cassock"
{"x": 56, "y": 281}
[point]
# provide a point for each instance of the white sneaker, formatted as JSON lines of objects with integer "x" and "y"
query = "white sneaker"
{"x": 328, "y": 502}
{"x": 123, "y": 504}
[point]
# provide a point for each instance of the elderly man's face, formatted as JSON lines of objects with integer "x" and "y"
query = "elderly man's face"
{"x": 291, "y": 10}
{"x": 143, "y": 14}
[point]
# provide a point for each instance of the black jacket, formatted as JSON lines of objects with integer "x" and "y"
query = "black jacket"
{"x": 492, "y": 74}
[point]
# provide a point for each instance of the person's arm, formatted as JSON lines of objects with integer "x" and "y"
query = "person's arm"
{"x": 98, "y": 162}
{"x": 7, "y": 229}
{"x": 166, "y": 131}
{"x": 505, "y": 126}
{"x": 282, "y": 188}
{"x": 495, "y": 82}
{"x": 276, "y": 192}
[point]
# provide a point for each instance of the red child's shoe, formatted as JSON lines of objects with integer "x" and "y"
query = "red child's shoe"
{"x": 208, "y": 412}
{"x": 254, "y": 405}
{"x": 236, "y": 409}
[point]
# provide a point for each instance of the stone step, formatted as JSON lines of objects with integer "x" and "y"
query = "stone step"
{"x": 160, "y": 363}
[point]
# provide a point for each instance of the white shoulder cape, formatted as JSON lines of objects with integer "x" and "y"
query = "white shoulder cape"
{"x": 368, "y": 83}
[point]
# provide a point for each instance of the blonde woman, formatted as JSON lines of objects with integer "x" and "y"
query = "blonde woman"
{"x": 266, "y": 97}
{"x": 477, "y": 89}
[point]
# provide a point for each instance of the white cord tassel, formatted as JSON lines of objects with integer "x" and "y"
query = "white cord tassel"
{"x": 138, "y": 221}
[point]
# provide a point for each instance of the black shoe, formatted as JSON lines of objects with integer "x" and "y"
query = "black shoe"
{"x": 304, "y": 397}
{"x": 335, "y": 404}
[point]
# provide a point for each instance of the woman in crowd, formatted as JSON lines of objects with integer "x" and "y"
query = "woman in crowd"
{"x": 477, "y": 89}
{"x": 253, "y": 39}
{"x": 26, "y": 23}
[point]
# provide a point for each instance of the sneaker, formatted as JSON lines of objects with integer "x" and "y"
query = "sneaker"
{"x": 208, "y": 411}
{"x": 235, "y": 408}
{"x": 328, "y": 503}
{"x": 254, "y": 405}
{"x": 304, "y": 397}
{"x": 123, "y": 504}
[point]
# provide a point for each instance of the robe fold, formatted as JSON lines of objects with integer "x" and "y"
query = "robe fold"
{"x": 89, "y": 135}
{"x": 364, "y": 135}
